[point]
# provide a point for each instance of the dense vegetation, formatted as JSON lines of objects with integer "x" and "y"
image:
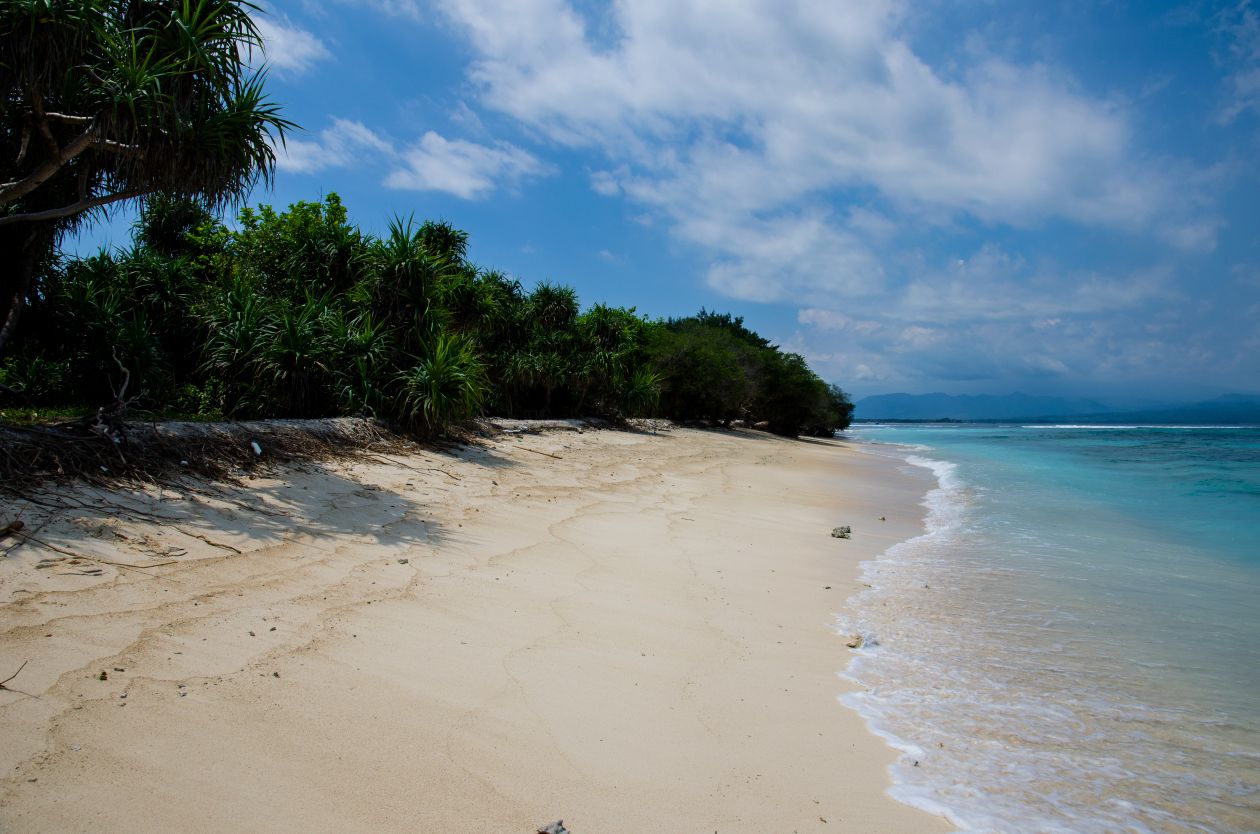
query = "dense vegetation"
{"x": 300, "y": 314}
{"x": 104, "y": 101}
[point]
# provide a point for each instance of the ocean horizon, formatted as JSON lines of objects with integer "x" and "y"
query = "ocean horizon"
{"x": 1073, "y": 644}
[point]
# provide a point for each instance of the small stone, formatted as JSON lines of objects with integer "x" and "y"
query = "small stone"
{"x": 103, "y": 676}
{"x": 119, "y": 669}
{"x": 124, "y": 695}
{"x": 855, "y": 641}
{"x": 275, "y": 674}
{"x": 404, "y": 561}
{"x": 273, "y": 628}
{"x": 251, "y": 634}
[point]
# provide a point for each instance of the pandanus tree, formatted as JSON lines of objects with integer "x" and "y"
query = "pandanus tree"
{"x": 105, "y": 101}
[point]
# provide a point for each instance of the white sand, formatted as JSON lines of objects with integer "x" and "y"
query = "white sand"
{"x": 634, "y": 637}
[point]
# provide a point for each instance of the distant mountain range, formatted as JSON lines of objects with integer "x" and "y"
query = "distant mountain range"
{"x": 1230, "y": 408}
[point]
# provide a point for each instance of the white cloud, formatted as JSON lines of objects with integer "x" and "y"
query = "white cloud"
{"x": 726, "y": 118}
{"x": 1240, "y": 24}
{"x": 605, "y": 183}
{"x": 995, "y": 318}
{"x": 288, "y": 48}
{"x": 336, "y": 147}
{"x": 409, "y": 9}
{"x": 434, "y": 163}
{"x": 465, "y": 169}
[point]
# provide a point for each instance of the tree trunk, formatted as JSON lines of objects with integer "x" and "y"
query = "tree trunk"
{"x": 26, "y": 244}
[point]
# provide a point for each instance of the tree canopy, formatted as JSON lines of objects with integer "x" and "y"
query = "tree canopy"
{"x": 298, "y": 313}
{"x": 103, "y": 101}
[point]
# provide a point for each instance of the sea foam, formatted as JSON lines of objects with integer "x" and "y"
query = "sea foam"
{"x": 1023, "y": 653}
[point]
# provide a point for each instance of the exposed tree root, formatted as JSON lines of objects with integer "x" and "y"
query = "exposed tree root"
{"x": 105, "y": 451}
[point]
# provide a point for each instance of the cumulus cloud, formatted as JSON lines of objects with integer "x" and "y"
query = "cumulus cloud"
{"x": 344, "y": 143}
{"x": 993, "y": 317}
{"x": 465, "y": 169}
{"x": 288, "y": 48}
{"x": 727, "y": 118}
{"x": 433, "y": 163}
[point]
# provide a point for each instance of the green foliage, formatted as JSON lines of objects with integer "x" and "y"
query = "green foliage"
{"x": 156, "y": 90}
{"x": 714, "y": 368}
{"x": 311, "y": 248}
{"x": 447, "y": 384}
{"x": 112, "y": 100}
{"x": 299, "y": 314}
{"x": 707, "y": 372}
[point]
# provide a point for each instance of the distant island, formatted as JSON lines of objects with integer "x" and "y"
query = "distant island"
{"x": 1228, "y": 408}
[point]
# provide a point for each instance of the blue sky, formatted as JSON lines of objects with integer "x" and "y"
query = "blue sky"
{"x": 971, "y": 196}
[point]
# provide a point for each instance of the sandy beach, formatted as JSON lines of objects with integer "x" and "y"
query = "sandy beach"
{"x": 629, "y": 631}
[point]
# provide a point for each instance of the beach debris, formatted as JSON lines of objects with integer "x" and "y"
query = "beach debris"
{"x": 12, "y": 527}
{"x": 883, "y": 518}
{"x": 14, "y": 675}
{"x": 855, "y": 641}
{"x": 103, "y": 676}
{"x": 404, "y": 561}
{"x": 537, "y": 452}
{"x": 253, "y": 444}
{"x": 556, "y": 827}
{"x": 841, "y": 532}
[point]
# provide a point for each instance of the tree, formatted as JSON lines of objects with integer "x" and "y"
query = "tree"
{"x": 104, "y": 101}
{"x": 706, "y": 370}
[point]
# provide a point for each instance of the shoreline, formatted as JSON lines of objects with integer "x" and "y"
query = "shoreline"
{"x": 629, "y": 631}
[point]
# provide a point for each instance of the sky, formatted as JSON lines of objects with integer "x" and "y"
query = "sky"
{"x": 973, "y": 196}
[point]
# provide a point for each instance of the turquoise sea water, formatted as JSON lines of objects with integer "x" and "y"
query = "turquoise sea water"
{"x": 1074, "y": 644}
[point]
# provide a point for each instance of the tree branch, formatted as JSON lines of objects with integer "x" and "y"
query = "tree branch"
{"x": 26, "y": 140}
{"x": 74, "y": 208}
{"x": 116, "y": 147}
{"x": 11, "y": 191}
{"x": 37, "y": 109}
{"x": 69, "y": 119}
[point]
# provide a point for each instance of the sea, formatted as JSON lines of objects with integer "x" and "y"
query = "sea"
{"x": 1073, "y": 645}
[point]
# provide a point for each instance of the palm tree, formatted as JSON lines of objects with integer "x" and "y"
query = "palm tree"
{"x": 103, "y": 101}
{"x": 406, "y": 281}
{"x": 446, "y": 385}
